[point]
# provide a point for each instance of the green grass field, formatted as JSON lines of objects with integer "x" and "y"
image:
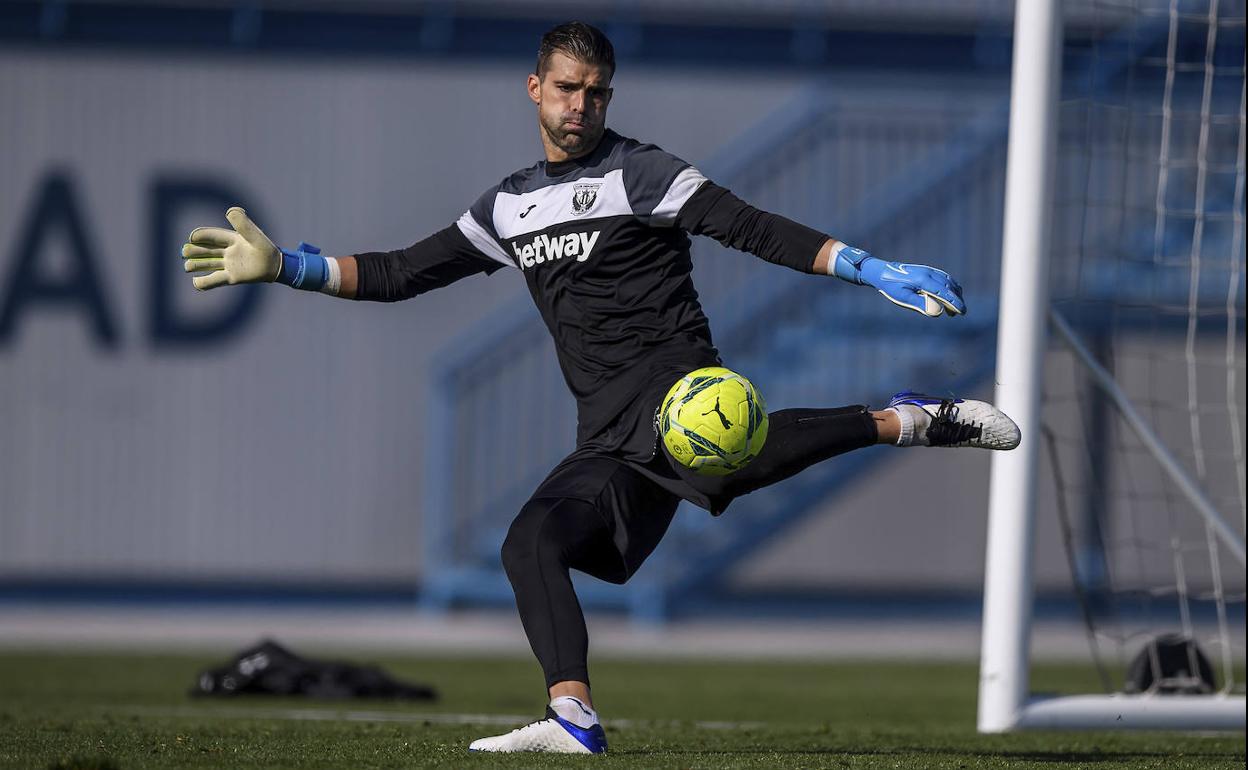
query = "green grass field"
{"x": 132, "y": 711}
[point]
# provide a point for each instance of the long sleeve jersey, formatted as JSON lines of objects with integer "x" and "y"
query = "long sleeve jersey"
{"x": 602, "y": 242}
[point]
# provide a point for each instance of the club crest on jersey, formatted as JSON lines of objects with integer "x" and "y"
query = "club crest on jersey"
{"x": 584, "y": 196}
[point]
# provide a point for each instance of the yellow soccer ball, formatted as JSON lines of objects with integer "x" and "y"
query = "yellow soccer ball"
{"x": 713, "y": 421}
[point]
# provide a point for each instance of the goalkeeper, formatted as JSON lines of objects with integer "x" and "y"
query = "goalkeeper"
{"x": 599, "y": 230}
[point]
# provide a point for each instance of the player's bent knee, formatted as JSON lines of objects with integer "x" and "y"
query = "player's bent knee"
{"x": 561, "y": 534}
{"x": 546, "y": 531}
{"x": 521, "y": 546}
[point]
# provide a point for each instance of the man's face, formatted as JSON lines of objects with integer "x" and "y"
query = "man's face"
{"x": 571, "y": 98}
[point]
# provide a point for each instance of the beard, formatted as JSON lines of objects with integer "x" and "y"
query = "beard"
{"x": 576, "y": 141}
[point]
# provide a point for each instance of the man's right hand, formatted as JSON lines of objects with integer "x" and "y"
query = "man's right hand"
{"x": 242, "y": 255}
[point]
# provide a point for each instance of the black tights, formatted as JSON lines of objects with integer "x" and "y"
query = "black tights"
{"x": 604, "y": 517}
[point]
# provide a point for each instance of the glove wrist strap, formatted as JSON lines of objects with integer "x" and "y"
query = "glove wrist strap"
{"x": 847, "y": 263}
{"x": 304, "y": 268}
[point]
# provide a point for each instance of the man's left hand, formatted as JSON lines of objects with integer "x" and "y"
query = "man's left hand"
{"x": 920, "y": 288}
{"x": 923, "y": 289}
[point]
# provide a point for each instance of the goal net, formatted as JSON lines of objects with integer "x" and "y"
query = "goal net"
{"x": 1139, "y": 395}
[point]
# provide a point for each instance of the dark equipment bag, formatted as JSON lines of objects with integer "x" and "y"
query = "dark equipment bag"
{"x": 1171, "y": 664}
{"x": 270, "y": 669}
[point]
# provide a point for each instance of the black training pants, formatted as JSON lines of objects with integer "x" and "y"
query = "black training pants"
{"x": 604, "y": 516}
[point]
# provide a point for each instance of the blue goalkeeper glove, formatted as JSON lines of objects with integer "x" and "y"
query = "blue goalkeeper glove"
{"x": 919, "y": 288}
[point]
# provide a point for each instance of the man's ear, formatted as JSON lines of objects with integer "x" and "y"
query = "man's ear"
{"x": 535, "y": 88}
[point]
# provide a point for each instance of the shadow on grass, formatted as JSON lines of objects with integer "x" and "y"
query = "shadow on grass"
{"x": 1053, "y": 757}
{"x": 84, "y": 763}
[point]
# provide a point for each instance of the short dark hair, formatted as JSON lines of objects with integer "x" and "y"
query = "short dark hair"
{"x": 576, "y": 40}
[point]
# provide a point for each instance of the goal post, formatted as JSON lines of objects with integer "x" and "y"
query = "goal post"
{"x": 1035, "y": 84}
{"x": 1170, "y": 116}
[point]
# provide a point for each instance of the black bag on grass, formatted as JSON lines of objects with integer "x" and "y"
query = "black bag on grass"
{"x": 270, "y": 669}
{"x": 1171, "y": 664}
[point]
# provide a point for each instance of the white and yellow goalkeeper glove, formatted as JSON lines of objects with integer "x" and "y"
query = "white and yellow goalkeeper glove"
{"x": 242, "y": 255}
{"x": 246, "y": 255}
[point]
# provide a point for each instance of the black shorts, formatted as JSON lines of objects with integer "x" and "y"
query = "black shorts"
{"x": 634, "y": 510}
{"x": 633, "y": 439}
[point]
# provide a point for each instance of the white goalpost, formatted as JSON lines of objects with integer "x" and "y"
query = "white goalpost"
{"x": 1153, "y": 144}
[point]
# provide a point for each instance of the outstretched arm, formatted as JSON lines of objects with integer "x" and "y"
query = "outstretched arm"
{"x": 246, "y": 255}
{"x": 714, "y": 211}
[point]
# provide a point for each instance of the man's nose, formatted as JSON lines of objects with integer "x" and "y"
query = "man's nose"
{"x": 577, "y": 103}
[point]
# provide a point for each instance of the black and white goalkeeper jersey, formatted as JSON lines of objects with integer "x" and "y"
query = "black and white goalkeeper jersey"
{"x": 602, "y": 244}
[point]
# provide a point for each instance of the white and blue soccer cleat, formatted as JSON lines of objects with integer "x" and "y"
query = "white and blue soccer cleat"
{"x": 953, "y": 422}
{"x": 554, "y": 734}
